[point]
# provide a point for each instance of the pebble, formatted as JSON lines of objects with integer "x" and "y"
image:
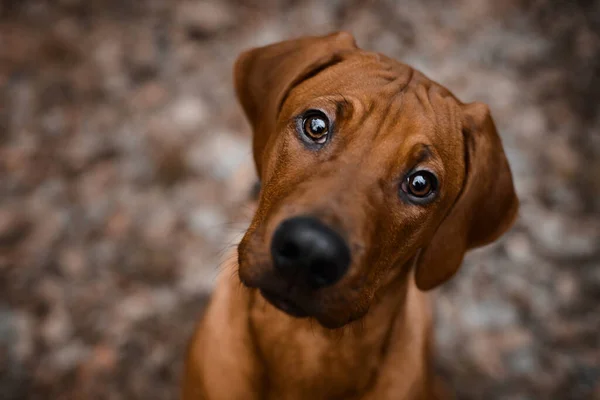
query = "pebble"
{"x": 523, "y": 361}
{"x": 205, "y": 18}
{"x": 70, "y": 355}
{"x": 222, "y": 153}
{"x": 207, "y": 222}
{"x": 72, "y": 262}
{"x": 490, "y": 314}
{"x": 189, "y": 112}
{"x": 13, "y": 226}
{"x": 57, "y": 327}
{"x": 563, "y": 237}
{"x": 160, "y": 225}
{"x": 149, "y": 96}
{"x": 519, "y": 249}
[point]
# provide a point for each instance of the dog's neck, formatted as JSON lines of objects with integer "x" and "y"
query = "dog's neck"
{"x": 343, "y": 361}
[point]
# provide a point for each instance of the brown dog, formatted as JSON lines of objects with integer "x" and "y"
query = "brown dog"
{"x": 375, "y": 182}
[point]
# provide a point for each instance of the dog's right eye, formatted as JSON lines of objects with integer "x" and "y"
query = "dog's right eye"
{"x": 315, "y": 126}
{"x": 420, "y": 186}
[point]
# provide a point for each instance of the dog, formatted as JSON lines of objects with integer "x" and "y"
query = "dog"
{"x": 375, "y": 181}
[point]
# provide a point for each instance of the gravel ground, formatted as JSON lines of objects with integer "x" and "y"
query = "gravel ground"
{"x": 125, "y": 168}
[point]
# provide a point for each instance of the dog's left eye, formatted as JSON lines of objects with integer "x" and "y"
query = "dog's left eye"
{"x": 315, "y": 127}
{"x": 420, "y": 185}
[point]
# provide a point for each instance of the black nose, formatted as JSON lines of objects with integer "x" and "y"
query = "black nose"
{"x": 304, "y": 248}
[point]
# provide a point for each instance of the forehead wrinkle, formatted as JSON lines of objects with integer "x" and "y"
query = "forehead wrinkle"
{"x": 394, "y": 108}
{"x": 354, "y": 105}
{"x": 421, "y": 92}
{"x": 392, "y": 120}
{"x": 446, "y": 118}
{"x": 344, "y": 107}
{"x": 396, "y": 87}
{"x": 392, "y": 71}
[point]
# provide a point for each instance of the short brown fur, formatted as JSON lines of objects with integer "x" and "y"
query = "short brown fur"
{"x": 369, "y": 334}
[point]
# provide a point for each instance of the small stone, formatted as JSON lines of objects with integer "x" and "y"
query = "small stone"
{"x": 72, "y": 262}
{"x": 562, "y": 157}
{"x": 104, "y": 357}
{"x": 490, "y": 314}
{"x": 488, "y": 361}
{"x": 83, "y": 148}
{"x": 13, "y": 226}
{"x": 164, "y": 299}
{"x": 24, "y": 328}
{"x": 207, "y": 222}
{"x": 136, "y": 306}
{"x": 204, "y": 18}
{"x": 561, "y": 237}
{"x": 69, "y": 356}
{"x": 523, "y": 361}
{"x": 189, "y": 113}
{"x": 53, "y": 122}
{"x": 170, "y": 164}
{"x": 119, "y": 225}
{"x": 104, "y": 252}
{"x": 518, "y": 247}
{"x": 48, "y": 231}
{"x": 199, "y": 273}
{"x": 221, "y": 154}
{"x": 566, "y": 287}
{"x": 149, "y": 96}
{"x": 57, "y": 327}
{"x": 160, "y": 224}
{"x": 241, "y": 184}
{"x": 143, "y": 56}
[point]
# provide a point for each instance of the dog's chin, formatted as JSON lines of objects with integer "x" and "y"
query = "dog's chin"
{"x": 284, "y": 304}
{"x": 294, "y": 310}
{"x": 291, "y": 307}
{"x": 334, "y": 323}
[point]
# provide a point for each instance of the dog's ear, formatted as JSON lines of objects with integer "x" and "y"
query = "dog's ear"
{"x": 485, "y": 208}
{"x": 264, "y": 76}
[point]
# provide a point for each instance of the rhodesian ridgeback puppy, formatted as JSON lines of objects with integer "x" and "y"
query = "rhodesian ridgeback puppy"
{"x": 375, "y": 182}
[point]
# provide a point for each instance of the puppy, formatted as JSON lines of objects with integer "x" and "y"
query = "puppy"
{"x": 375, "y": 182}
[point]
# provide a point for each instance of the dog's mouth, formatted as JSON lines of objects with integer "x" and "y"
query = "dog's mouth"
{"x": 285, "y": 305}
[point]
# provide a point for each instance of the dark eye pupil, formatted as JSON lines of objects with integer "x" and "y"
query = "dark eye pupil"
{"x": 420, "y": 185}
{"x": 317, "y": 126}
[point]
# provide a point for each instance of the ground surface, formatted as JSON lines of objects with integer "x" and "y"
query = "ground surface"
{"x": 125, "y": 165}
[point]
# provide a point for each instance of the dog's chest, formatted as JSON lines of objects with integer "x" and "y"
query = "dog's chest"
{"x": 302, "y": 360}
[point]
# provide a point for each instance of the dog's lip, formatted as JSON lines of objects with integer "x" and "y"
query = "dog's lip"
{"x": 284, "y": 304}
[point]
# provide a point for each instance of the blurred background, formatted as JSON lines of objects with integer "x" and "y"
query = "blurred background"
{"x": 125, "y": 170}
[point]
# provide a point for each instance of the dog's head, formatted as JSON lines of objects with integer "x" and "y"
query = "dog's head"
{"x": 367, "y": 168}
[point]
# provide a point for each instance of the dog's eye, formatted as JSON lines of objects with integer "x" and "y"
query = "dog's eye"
{"x": 420, "y": 184}
{"x": 316, "y": 127}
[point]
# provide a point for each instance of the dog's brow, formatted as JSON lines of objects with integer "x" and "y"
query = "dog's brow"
{"x": 311, "y": 73}
{"x": 419, "y": 153}
{"x": 424, "y": 153}
{"x": 343, "y": 107}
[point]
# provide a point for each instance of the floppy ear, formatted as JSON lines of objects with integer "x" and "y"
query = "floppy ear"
{"x": 265, "y": 75}
{"x": 484, "y": 210}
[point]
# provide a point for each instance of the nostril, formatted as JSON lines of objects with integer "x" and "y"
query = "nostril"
{"x": 323, "y": 273}
{"x": 289, "y": 250}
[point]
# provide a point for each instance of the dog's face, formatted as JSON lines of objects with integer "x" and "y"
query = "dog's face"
{"x": 367, "y": 168}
